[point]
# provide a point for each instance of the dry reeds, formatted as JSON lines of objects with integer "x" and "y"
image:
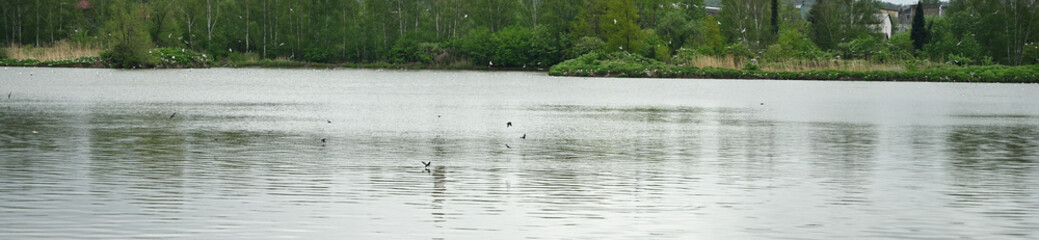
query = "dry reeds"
{"x": 61, "y": 50}
{"x": 795, "y": 65}
{"x": 790, "y": 65}
{"x": 727, "y": 61}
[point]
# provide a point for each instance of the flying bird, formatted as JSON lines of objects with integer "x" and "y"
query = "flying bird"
{"x": 174, "y": 114}
{"x": 507, "y": 146}
{"x": 508, "y": 124}
{"x": 426, "y": 163}
{"x": 329, "y": 121}
{"x": 524, "y": 136}
{"x": 323, "y": 140}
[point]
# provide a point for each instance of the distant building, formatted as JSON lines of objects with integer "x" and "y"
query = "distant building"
{"x": 885, "y": 26}
{"x": 713, "y": 10}
{"x": 890, "y": 12}
{"x": 905, "y": 15}
{"x": 804, "y": 9}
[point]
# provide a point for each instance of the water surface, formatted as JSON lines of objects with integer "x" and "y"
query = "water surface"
{"x": 94, "y": 154}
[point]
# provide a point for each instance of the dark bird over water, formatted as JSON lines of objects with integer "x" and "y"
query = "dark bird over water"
{"x": 174, "y": 114}
{"x": 524, "y": 136}
{"x": 507, "y": 146}
{"x": 508, "y": 124}
{"x": 329, "y": 121}
{"x": 323, "y": 140}
{"x": 426, "y": 163}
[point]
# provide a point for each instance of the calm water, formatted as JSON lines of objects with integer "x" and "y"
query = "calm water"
{"x": 94, "y": 154}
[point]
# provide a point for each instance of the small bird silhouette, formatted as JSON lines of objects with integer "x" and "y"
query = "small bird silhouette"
{"x": 329, "y": 121}
{"x": 762, "y": 104}
{"x": 508, "y": 124}
{"x": 426, "y": 163}
{"x": 323, "y": 140}
{"x": 507, "y": 146}
{"x": 524, "y": 136}
{"x": 174, "y": 114}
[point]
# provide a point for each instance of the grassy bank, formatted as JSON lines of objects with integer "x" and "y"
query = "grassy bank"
{"x": 282, "y": 63}
{"x": 622, "y": 64}
{"x": 62, "y": 56}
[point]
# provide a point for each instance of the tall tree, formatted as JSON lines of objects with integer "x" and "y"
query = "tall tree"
{"x": 129, "y": 33}
{"x": 744, "y": 21}
{"x": 775, "y": 17}
{"x": 918, "y": 33}
{"x": 837, "y": 21}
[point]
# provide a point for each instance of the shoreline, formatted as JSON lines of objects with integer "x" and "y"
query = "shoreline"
{"x": 975, "y": 74}
{"x": 94, "y": 62}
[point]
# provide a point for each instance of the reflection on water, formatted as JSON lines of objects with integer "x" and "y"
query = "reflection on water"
{"x": 994, "y": 171}
{"x": 101, "y": 158}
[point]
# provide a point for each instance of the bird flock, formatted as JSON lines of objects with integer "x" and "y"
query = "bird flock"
{"x": 507, "y": 125}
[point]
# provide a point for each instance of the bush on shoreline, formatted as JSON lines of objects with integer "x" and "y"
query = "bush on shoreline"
{"x": 598, "y": 64}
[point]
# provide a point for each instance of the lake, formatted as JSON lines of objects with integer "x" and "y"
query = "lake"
{"x": 99, "y": 154}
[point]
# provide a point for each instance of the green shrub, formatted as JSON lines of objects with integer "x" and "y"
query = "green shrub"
{"x": 479, "y": 45}
{"x": 179, "y": 57}
{"x": 586, "y": 45}
{"x": 512, "y": 50}
{"x": 738, "y": 50}
{"x": 751, "y": 66}
{"x": 122, "y": 56}
{"x": 320, "y": 55}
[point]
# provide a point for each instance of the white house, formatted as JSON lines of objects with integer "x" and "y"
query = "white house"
{"x": 886, "y": 26}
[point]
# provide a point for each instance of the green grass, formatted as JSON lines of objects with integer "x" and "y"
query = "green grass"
{"x": 623, "y": 64}
{"x": 163, "y": 58}
{"x": 78, "y": 62}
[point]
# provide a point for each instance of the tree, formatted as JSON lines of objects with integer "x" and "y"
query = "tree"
{"x": 837, "y": 21}
{"x": 743, "y": 21}
{"x": 622, "y": 33}
{"x": 129, "y": 34}
{"x": 918, "y": 33}
{"x": 775, "y": 17}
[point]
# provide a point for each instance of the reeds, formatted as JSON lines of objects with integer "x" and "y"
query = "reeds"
{"x": 727, "y": 61}
{"x": 796, "y": 65}
{"x": 790, "y": 65}
{"x": 61, "y": 50}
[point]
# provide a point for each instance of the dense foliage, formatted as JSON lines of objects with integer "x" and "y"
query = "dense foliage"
{"x": 621, "y": 64}
{"x": 520, "y": 33}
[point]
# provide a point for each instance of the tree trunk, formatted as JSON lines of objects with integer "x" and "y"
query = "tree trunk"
{"x": 247, "y": 26}
{"x": 37, "y": 23}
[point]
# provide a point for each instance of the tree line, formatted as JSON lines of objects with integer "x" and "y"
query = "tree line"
{"x": 524, "y": 33}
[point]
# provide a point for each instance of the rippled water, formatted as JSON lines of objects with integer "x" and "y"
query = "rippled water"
{"x": 94, "y": 154}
